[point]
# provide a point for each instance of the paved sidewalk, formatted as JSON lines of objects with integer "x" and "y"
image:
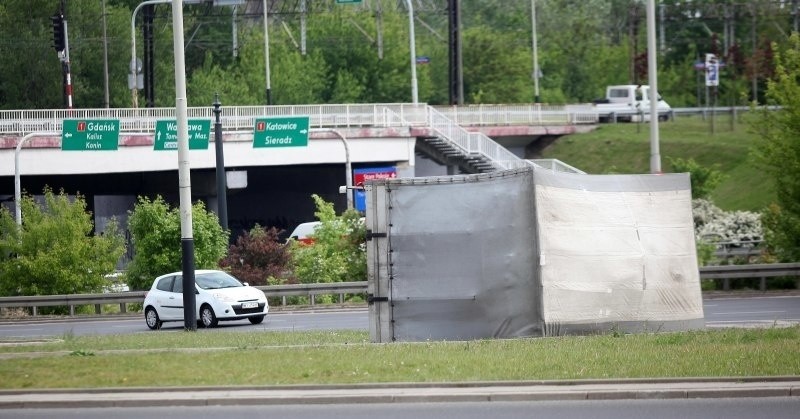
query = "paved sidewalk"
{"x": 407, "y": 393}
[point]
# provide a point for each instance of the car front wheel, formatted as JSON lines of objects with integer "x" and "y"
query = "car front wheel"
{"x": 208, "y": 317}
{"x": 256, "y": 319}
{"x": 151, "y": 318}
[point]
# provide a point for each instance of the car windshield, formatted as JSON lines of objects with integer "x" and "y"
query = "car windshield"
{"x": 216, "y": 280}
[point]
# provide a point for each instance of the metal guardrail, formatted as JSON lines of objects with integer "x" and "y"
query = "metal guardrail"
{"x": 703, "y": 111}
{"x": 133, "y": 297}
{"x": 724, "y": 272}
{"x": 755, "y": 271}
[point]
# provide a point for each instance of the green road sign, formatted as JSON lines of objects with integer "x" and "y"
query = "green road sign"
{"x": 166, "y": 137}
{"x": 284, "y": 131}
{"x": 90, "y": 134}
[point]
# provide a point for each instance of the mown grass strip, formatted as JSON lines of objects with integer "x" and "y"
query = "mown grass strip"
{"x": 282, "y": 358}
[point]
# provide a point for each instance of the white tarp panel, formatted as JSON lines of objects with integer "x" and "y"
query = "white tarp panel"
{"x": 531, "y": 252}
{"x": 616, "y": 251}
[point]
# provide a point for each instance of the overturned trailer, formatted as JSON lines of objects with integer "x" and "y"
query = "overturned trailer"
{"x": 530, "y": 252}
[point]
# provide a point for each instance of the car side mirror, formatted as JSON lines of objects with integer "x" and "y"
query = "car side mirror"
{"x": 245, "y": 284}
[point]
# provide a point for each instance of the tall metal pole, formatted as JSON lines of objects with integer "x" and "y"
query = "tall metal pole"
{"x": 134, "y": 89}
{"x": 222, "y": 197}
{"x": 106, "y": 98}
{"x": 456, "y": 77}
{"x": 348, "y": 178}
{"x": 266, "y": 52}
{"x": 655, "y": 154}
{"x": 535, "y": 54}
{"x": 413, "y": 48}
{"x": 17, "y": 179}
{"x": 184, "y": 183}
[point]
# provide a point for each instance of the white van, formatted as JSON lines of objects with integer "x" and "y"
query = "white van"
{"x": 303, "y": 232}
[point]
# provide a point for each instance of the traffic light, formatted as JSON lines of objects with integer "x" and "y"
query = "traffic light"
{"x": 59, "y": 43}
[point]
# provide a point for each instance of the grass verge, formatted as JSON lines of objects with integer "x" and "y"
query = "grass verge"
{"x": 212, "y": 358}
{"x": 625, "y": 148}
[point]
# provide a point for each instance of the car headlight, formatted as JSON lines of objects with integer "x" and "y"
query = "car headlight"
{"x": 224, "y": 297}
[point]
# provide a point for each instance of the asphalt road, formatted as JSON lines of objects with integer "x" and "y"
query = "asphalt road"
{"x": 282, "y": 321}
{"x": 710, "y": 408}
{"x": 720, "y": 312}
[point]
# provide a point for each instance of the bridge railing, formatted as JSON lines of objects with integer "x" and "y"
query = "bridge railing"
{"x": 525, "y": 114}
{"x": 20, "y": 122}
{"x": 469, "y": 142}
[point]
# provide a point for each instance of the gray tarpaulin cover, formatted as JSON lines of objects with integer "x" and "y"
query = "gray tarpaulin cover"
{"x": 531, "y": 252}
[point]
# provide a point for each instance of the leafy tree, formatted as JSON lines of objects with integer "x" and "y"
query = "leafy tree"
{"x": 778, "y": 151}
{"x": 499, "y": 72}
{"x": 54, "y": 252}
{"x": 257, "y": 256}
{"x": 338, "y": 253}
{"x": 703, "y": 179}
{"x": 156, "y": 236}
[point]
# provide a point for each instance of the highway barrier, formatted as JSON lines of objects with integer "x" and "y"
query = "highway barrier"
{"x": 724, "y": 272}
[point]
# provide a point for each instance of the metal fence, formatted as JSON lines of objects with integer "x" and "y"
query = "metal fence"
{"x": 137, "y": 297}
{"x": 763, "y": 272}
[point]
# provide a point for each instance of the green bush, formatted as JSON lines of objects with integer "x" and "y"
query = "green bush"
{"x": 156, "y": 236}
{"x": 55, "y": 250}
{"x": 339, "y": 250}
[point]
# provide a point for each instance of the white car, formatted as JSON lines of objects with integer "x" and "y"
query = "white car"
{"x": 219, "y": 296}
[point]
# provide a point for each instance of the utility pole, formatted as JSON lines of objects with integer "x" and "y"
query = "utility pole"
{"x": 456, "y": 72}
{"x": 148, "y": 15}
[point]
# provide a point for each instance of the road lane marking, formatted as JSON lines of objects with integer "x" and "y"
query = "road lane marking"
{"x": 726, "y": 313}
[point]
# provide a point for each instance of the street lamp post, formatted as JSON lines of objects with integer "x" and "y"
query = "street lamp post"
{"x": 348, "y": 177}
{"x": 535, "y": 54}
{"x": 655, "y": 153}
{"x": 17, "y": 180}
{"x": 266, "y": 53}
{"x": 222, "y": 194}
{"x": 184, "y": 180}
{"x": 133, "y": 66}
{"x": 413, "y": 48}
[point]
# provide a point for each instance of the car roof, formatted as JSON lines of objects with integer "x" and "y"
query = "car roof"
{"x": 196, "y": 272}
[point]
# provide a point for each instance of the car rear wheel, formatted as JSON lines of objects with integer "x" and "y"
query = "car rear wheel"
{"x": 256, "y": 319}
{"x": 152, "y": 319}
{"x": 208, "y": 317}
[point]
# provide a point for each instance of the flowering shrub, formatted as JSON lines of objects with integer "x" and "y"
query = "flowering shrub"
{"x": 712, "y": 224}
